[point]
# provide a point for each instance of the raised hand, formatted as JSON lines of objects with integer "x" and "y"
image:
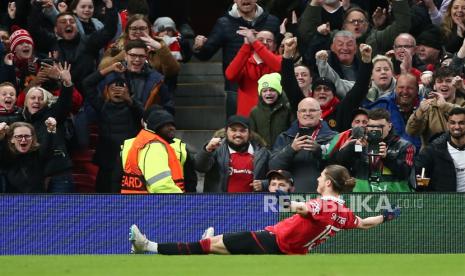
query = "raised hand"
{"x": 366, "y": 52}
{"x": 213, "y": 144}
{"x": 406, "y": 64}
{"x": 12, "y": 10}
{"x": 379, "y": 17}
{"x": 8, "y": 59}
{"x": 3, "y": 129}
{"x": 322, "y": 55}
{"x": 290, "y": 47}
{"x": 199, "y": 41}
{"x": 248, "y": 34}
{"x": 150, "y": 42}
{"x": 65, "y": 73}
{"x": 62, "y": 6}
{"x": 324, "y": 29}
{"x": 51, "y": 124}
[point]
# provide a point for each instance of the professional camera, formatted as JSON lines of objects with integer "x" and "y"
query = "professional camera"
{"x": 374, "y": 137}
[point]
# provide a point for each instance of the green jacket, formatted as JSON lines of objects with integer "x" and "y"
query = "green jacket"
{"x": 270, "y": 121}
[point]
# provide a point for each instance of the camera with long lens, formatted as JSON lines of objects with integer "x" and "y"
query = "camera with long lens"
{"x": 374, "y": 137}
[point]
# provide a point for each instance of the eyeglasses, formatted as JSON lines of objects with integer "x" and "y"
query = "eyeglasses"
{"x": 356, "y": 21}
{"x": 403, "y": 46}
{"x": 140, "y": 29}
{"x": 308, "y": 110}
{"x": 136, "y": 56}
{"x": 19, "y": 138}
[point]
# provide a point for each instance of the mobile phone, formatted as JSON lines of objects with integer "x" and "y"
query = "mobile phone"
{"x": 48, "y": 61}
{"x": 305, "y": 131}
{"x": 431, "y": 95}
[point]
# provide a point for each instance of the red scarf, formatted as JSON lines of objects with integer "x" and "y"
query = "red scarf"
{"x": 328, "y": 108}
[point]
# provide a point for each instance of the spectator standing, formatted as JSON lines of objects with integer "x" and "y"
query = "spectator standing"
{"x": 243, "y": 13}
{"x": 233, "y": 163}
{"x": 254, "y": 59}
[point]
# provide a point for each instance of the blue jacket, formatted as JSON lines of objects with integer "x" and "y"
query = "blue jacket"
{"x": 388, "y": 102}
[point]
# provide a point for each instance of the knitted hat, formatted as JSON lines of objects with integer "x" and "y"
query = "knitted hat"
{"x": 326, "y": 82}
{"x": 18, "y": 37}
{"x": 159, "y": 118}
{"x": 162, "y": 23}
{"x": 431, "y": 37}
{"x": 237, "y": 119}
{"x": 272, "y": 80}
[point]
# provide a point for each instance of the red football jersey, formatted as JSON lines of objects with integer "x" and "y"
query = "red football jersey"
{"x": 327, "y": 216}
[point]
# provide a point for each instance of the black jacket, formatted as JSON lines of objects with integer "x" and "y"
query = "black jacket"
{"x": 117, "y": 122}
{"x": 24, "y": 173}
{"x": 60, "y": 110}
{"x": 439, "y": 166}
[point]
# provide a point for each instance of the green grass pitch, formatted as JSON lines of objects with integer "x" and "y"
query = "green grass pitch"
{"x": 313, "y": 264}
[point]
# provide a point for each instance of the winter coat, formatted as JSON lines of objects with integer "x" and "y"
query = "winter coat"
{"x": 305, "y": 166}
{"x": 270, "y": 120}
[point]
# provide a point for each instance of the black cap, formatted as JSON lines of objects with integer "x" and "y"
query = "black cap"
{"x": 431, "y": 37}
{"x": 159, "y": 118}
{"x": 237, "y": 119}
{"x": 324, "y": 81}
{"x": 359, "y": 111}
{"x": 284, "y": 174}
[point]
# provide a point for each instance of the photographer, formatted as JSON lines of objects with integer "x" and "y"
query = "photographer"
{"x": 384, "y": 163}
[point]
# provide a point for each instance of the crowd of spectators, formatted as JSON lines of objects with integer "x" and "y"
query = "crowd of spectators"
{"x": 375, "y": 86}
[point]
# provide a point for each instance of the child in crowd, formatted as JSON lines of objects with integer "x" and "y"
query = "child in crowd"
{"x": 9, "y": 112}
{"x": 165, "y": 28}
{"x": 272, "y": 115}
{"x": 280, "y": 180}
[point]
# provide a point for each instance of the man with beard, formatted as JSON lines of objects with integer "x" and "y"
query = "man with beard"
{"x": 155, "y": 161}
{"x": 232, "y": 163}
{"x": 430, "y": 119}
{"x": 401, "y": 104}
{"x": 443, "y": 161}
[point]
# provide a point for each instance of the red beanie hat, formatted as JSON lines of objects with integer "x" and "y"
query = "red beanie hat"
{"x": 18, "y": 37}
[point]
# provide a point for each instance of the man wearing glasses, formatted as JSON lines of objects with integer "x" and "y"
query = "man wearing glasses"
{"x": 405, "y": 60}
{"x": 298, "y": 149}
{"x": 145, "y": 84}
{"x": 385, "y": 161}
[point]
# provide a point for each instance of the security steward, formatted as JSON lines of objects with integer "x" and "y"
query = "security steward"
{"x": 150, "y": 162}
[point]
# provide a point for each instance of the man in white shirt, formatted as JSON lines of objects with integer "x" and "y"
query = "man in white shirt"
{"x": 443, "y": 161}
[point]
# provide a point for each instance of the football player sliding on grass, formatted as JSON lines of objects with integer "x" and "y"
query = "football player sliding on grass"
{"x": 315, "y": 221}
